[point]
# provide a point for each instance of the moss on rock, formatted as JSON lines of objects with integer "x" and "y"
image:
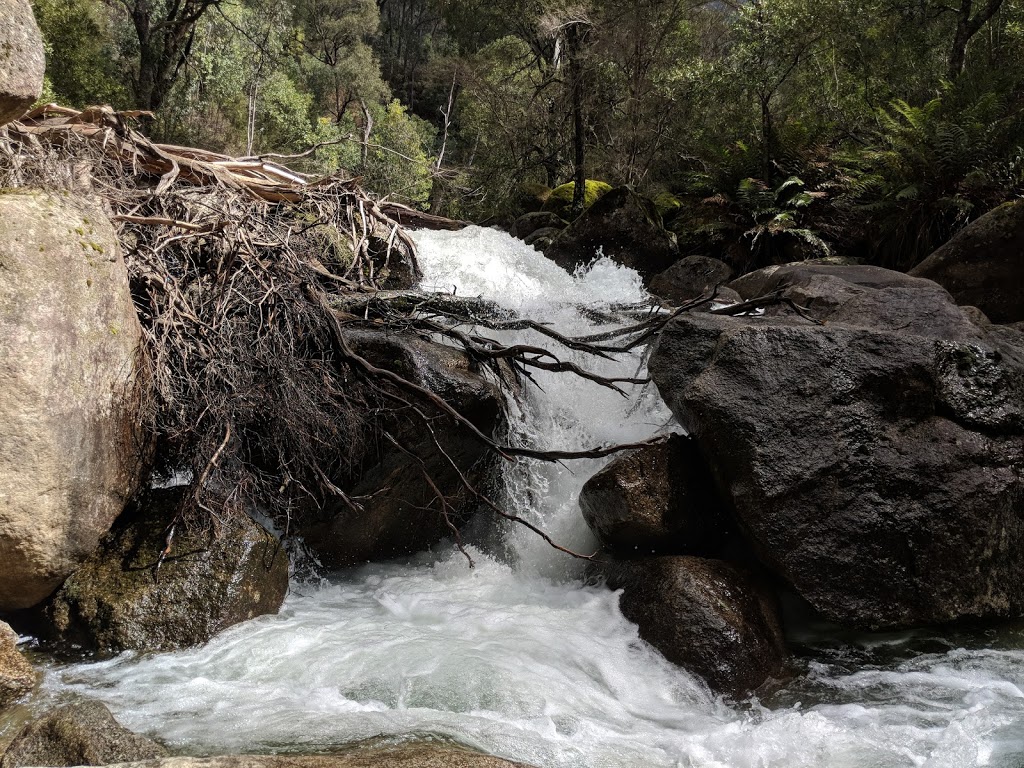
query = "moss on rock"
{"x": 208, "y": 581}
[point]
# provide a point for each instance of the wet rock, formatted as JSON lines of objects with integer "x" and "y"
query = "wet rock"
{"x": 625, "y": 227}
{"x": 22, "y": 59}
{"x": 207, "y": 582}
{"x": 78, "y": 734}
{"x": 874, "y": 461}
{"x": 540, "y": 239}
{"x": 982, "y": 264}
{"x": 401, "y": 513}
{"x": 529, "y": 223}
{"x": 656, "y": 499}
{"x": 72, "y": 442}
{"x": 707, "y": 616}
{"x": 691, "y": 278}
{"x": 420, "y": 755}
{"x": 16, "y": 675}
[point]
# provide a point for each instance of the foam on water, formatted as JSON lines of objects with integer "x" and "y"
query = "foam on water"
{"x": 515, "y": 656}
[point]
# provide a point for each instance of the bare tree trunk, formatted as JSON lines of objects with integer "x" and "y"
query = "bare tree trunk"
{"x": 967, "y": 27}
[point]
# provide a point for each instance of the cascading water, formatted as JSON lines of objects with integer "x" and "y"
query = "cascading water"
{"x": 516, "y": 657}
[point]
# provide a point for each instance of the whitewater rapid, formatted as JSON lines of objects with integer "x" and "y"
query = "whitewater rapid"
{"x": 516, "y": 656}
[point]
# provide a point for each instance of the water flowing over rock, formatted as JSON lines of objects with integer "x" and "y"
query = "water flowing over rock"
{"x": 982, "y": 265}
{"x": 873, "y": 461}
{"x": 69, "y": 392}
{"x": 401, "y": 513}
{"x": 656, "y": 499}
{"x": 424, "y": 755}
{"x": 207, "y": 582}
{"x": 16, "y": 675}
{"x": 705, "y": 615}
{"x": 78, "y": 734}
{"x": 625, "y": 227}
{"x": 22, "y": 59}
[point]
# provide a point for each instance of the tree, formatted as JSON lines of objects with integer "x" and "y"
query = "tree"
{"x": 164, "y": 32}
{"x": 968, "y": 23}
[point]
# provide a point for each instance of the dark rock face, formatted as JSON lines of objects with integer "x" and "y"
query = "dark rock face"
{"x": 983, "y": 265}
{"x": 401, "y": 513}
{"x": 16, "y": 675}
{"x": 206, "y": 583}
{"x": 657, "y": 499}
{"x": 78, "y": 734}
{"x": 875, "y": 462}
{"x": 690, "y": 278}
{"x": 628, "y": 230}
{"x": 22, "y": 59}
{"x": 529, "y": 223}
{"x": 542, "y": 238}
{"x": 706, "y": 616}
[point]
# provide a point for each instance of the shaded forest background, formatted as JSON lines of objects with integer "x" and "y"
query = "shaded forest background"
{"x": 765, "y": 130}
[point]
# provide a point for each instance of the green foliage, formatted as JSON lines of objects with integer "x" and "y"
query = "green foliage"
{"x": 397, "y": 163}
{"x": 930, "y": 170}
{"x": 82, "y": 61}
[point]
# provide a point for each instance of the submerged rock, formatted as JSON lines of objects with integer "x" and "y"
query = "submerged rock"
{"x": 707, "y": 616}
{"x": 22, "y": 59}
{"x": 691, "y": 278}
{"x": 207, "y": 582}
{"x": 72, "y": 442}
{"x": 656, "y": 499}
{"x": 623, "y": 226}
{"x": 78, "y": 734}
{"x": 875, "y": 461}
{"x": 983, "y": 265}
{"x": 16, "y": 675}
{"x": 424, "y": 755}
{"x": 401, "y": 513}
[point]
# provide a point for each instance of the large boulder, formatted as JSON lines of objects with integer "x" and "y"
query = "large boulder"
{"x": 875, "y": 460}
{"x": 707, "y": 616}
{"x": 22, "y": 59}
{"x": 656, "y": 499}
{"x": 691, "y": 278}
{"x": 127, "y": 597}
{"x": 16, "y": 675}
{"x": 69, "y": 391}
{"x": 416, "y": 755}
{"x": 623, "y": 226}
{"x": 983, "y": 265}
{"x": 529, "y": 223}
{"x": 78, "y": 734}
{"x": 399, "y": 511}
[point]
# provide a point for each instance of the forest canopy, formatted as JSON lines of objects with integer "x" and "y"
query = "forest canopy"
{"x": 770, "y": 129}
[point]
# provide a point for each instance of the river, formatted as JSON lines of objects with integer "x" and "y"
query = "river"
{"x": 517, "y": 657}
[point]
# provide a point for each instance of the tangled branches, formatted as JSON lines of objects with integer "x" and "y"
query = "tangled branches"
{"x": 249, "y": 279}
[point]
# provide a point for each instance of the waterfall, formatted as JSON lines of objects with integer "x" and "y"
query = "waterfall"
{"x": 519, "y": 658}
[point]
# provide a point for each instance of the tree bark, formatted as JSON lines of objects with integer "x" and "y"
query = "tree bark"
{"x": 967, "y": 27}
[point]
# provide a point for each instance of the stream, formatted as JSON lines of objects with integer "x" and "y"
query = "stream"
{"x": 516, "y": 657}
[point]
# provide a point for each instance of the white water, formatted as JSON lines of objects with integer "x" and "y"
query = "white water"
{"x": 516, "y": 658}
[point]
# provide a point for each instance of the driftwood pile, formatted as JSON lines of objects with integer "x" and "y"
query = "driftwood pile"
{"x": 246, "y": 275}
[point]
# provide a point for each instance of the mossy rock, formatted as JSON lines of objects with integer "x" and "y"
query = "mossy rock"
{"x": 532, "y": 196}
{"x": 209, "y": 580}
{"x": 560, "y": 199}
{"x": 668, "y": 206}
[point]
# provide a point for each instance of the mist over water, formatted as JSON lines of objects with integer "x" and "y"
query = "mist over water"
{"x": 515, "y": 656}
